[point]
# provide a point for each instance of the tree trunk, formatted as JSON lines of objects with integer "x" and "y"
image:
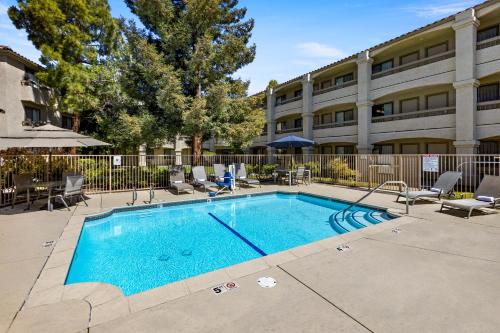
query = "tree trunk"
{"x": 75, "y": 128}
{"x": 197, "y": 147}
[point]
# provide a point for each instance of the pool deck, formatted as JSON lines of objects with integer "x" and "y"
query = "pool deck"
{"x": 427, "y": 272}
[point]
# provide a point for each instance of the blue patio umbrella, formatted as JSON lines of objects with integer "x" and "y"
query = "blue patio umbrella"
{"x": 291, "y": 141}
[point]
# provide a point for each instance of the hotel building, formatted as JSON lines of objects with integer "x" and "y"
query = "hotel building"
{"x": 432, "y": 90}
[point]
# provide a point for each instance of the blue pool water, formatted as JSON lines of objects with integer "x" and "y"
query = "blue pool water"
{"x": 143, "y": 249}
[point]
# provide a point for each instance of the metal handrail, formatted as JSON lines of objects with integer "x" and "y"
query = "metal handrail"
{"x": 400, "y": 182}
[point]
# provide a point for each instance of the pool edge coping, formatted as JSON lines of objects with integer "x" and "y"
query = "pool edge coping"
{"x": 107, "y": 302}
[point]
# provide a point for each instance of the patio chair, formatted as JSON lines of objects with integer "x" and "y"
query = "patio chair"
{"x": 300, "y": 175}
{"x": 23, "y": 184}
{"x": 219, "y": 170}
{"x": 72, "y": 189}
{"x": 242, "y": 178}
{"x": 178, "y": 181}
{"x": 487, "y": 195}
{"x": 443, "y": 186}
{"x": 200, "y": 178}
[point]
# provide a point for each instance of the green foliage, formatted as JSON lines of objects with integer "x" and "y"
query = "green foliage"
{"x": 206, "y": 42}
{"x": 73, "y": 36}
{"x": 269, "y": 169}
{"x": 340, "y": 169}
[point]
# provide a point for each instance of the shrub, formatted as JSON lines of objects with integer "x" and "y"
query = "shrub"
{"x": 340, "y": 169}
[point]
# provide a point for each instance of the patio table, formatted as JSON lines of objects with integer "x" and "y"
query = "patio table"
{"x": 49, "y": 185}
{"x": 288, "y": 173}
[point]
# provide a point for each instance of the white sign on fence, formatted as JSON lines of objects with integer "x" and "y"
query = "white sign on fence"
{"x": 117, "y": 160}
{"x": 430, "y": 163}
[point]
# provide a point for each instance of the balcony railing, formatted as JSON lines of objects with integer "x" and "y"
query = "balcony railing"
{"x": 488, "y": 105}
{"x": 415, "y": 114}
{"x": 289, "y": 130}
{"x": 288, "y": 100}
{"x": 415, "y": 64}
{"x": 333, "y": 125}
{"x": 332, "y": 88}
{"x": 488, "y": 43}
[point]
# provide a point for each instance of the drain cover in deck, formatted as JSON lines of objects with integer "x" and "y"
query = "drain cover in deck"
{"x": 267, "y": 282}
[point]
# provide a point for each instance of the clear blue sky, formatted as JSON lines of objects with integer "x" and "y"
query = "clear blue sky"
{"x": 294, "y": 37}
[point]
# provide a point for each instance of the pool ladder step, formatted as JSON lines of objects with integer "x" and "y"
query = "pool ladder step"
{"x": 356, "y": 220}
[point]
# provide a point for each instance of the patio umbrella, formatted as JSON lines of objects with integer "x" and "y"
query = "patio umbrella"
{"x": 48, "y": 136}
{"x": 291, "y": 141}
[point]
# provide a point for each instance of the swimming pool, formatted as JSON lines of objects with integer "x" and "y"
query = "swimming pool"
{"x": 141, "y": 249}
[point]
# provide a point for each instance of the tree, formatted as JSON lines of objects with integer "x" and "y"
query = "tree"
{"x": 206, "y": 42}
{"x": 73, "y": 36}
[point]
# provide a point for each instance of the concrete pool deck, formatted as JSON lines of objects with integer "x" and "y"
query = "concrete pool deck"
{"x": 439, "y": 272}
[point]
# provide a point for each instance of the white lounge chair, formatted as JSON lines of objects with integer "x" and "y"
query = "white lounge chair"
{"x": 443, "y": 186}
{"x": 178, "y": 181}
{"x": 241, "y": 176}
{"x": 487, "y": 195}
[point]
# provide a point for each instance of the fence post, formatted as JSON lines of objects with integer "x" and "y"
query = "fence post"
{"x": 110, "y": 173}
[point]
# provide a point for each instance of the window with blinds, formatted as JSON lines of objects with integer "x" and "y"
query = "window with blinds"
{"x": 489, "y": 92}
{"x": 487, "y": 33}
{"x": 436, "y": 49}
{"x": 437, "y": 101}
{"x": 409, "y": 105}
{"x": 414, "y": 56}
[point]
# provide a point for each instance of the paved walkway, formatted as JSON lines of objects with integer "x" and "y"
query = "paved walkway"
{"x": 439, "y": 273}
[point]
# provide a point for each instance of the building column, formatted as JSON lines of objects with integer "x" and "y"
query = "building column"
{"x": 271, "y": 122}
{"x": 307, "y": 111}
{"x": 178, "y": 150}
{"x": 364, "y": 103}
{"x": 466, "y": 84}
{"x": 142, "y": 155}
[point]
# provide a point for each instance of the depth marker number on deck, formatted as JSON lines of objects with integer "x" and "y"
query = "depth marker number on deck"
{"x": 228, "y": 286}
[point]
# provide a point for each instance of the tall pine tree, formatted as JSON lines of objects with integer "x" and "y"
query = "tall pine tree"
{"x": 206, "y": 42}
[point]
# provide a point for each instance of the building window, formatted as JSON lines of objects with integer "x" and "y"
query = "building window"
{"x": 316, "y": 120}
{"x": 326, "y": 150}
{"x": 487, "y": 33}
{"x": 409, "y": 148}
{"x": 297, "y": 123}
{"x": 343, "y": 150}
{"x": 29, "y": 74}
{"x": 297, "y": 93}
{"x": 489, "y": 92}
{"x": 383, "y": 66}
{"x": 414, "y": 56}
{"x": 326, "y": 118}
{"x": 436, "y": 49}
{"x": 280, "y": 99}
{"x": 326, "y": 84}
{"x": 383, "y": 149}
{"x": 409, "y": 105}
{"x": 437, "y": 101}
{"x": 344, "y": 79}
{"x": 67, "y": 121}
{"x": 280, "y": 126}
{"x": 385, "y": 109}
{"x": 489, "y": 147}
{"x": 343, "y": 116}
{"x": 32, "y": 114}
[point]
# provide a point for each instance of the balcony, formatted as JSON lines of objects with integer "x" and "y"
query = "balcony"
{"x": 490, "y": 105}
{"x": 415, "y": 114}
{"x": 488, "y": 43}
{"x": 289, "y": 130}
{"x": 415, "y": 64}
{"x": 332, "y": 88}
{"x": 288, "y": 100}
{"x": 333, "y": 125}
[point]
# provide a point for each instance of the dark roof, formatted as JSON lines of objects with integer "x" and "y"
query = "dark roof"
{"x": 18, "y": 56}
{"x": 390, "y": 41}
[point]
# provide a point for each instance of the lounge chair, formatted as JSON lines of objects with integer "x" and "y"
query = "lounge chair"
{"x": 200, "y": 178}
{"x": 219, "y": 170}
{"x": 443, "y": 186}
{"x": 178, "y": 181}
{"x": 242, "y": 178}
{"x": 487, "y": 195}
{"x": 73, "y": 188}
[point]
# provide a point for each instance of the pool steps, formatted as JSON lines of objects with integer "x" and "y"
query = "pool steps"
{"x": 357, "y": 220}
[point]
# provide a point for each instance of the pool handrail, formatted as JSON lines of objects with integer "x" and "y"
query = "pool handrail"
{"x": 394, "y": 182}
